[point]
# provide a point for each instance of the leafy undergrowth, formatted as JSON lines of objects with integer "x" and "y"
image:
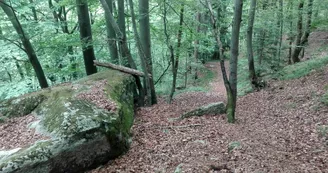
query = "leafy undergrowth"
{"x": 193, "y": 85}
{"x": 303, "y": 68}
{"x": 279, "y": 129}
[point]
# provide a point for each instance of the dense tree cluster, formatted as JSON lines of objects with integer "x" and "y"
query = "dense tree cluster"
{"x": 43, "y": 43}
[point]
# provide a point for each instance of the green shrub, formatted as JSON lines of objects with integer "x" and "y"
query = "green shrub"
{"x": 320, "y": 24}
{"x": 324, "y": 99}
{"x": 302, "y": 68}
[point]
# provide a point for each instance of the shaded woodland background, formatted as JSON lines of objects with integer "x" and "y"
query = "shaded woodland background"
{"x": 57, "y": 41}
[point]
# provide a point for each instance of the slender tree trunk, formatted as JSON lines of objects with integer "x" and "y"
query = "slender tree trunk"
{"x": 111, "y": 36}
{"x": 143, "y": 56}
{"x": 232, "y": 96}
{"x": 125, "y": 52}
{"x": 298, "y": 48}
{"x": 304, "y": 39}
{"x": 218, "y": 41}
{"x": 307, "y": 31}
{"x": 35, "y": 16}
{"x": 121, "y": 16}
{"x": 86, "y": 36}
{"x": 263, "y": 33}
{"x": 122, "y": 27}
{"x": 281, "y": 27}
{"x": 19, "y": 68}
{"x": 196, "y": 49}
{"x": 175, "y": 62}
{"x": 251, "y": 66}
{"x": 290, "y": 35}
{"x": 26, "y": 44}
{"x": 1, "y": 34}
{"x": 144, "y": 27}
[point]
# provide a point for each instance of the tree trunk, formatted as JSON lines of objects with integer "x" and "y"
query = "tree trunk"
{"x": 196, "y": 49}
{"x": 121, "y": 16}
{"x": 251, "y": 66}
{"x": 298, "y": 48}
{"x": 86, "y": 36}
{"x": 125, "y": 52}
{"x": 111, "y": 36}
{"x": 142, "y": 55}
{"x": 175, "y": 62}
{"x": 35, "y": 16}
{"x": 19, "y": 68}
{"x": 218, "y": 41}
{"x": 232, "y": 95}
{"x": 144, "y": 28}
{"x": 122, "y": 27}
{"x": 307, "y": 31}
{"x": 281, "y": 27}
{"x": 290, "y": 35}
{"x": 26, "y": 44}
{"x": 1, "y": 33}
{"x": 262, "y": 33}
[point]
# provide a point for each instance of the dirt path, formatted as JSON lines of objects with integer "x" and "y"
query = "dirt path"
{"x": 278, "y": 130}
{"x": 217, "y": 85}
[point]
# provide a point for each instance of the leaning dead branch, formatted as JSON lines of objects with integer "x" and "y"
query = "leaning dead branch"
{"x": 120, "y": 68}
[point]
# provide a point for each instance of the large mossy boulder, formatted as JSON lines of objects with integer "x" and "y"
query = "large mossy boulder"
{"x": 87, "y": 123}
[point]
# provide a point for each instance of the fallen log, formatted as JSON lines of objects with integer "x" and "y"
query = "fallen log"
{"x": 210, "y": 109}
{"x": 120, "y": 68}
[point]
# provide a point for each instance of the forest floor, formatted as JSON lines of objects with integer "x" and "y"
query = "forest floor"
{"x": 282, "y": 128}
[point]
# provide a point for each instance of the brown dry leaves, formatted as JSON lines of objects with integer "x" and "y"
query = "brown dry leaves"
{"x": 276, "y": 127}
{"x": 15, "y": 133}
{"x": 97, "y": 96}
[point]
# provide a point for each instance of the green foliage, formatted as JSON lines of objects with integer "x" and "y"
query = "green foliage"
{"x": 323, "y": 131}
{"x": 302, "y": 69}
{"x": 320, "y": 24}
{"x": 3, "y": 119}
{"x": 233, "y": 145}
{"x": 243, "y": 84}
{"x": 324, "y": 99}
{"x": 178, "y": 168}
{"x": 14, "y": 89}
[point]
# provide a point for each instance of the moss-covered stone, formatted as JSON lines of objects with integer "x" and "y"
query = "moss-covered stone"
{"x": 20, "y": 106}
{"x": 210, "y": 109}
{"x": 82, "y": 135}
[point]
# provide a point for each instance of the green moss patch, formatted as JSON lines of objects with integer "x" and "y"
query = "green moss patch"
{"x": 302, "y": 68}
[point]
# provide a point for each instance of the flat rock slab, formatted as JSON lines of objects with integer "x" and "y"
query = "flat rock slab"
{"x": 86, "y": 123}
{"x": 210, "y": 109}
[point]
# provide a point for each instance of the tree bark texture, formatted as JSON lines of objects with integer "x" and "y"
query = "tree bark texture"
{"x": 35, "y": 16}
{"x": 232, "y": 96}
{"x": 262, "y": 36}
{"x": 196, "y": 48}
{"x": 144, "y": 28}
{"x": 251, "y": 66}
{"x": 281, "y": 27}
{"x": 111, "y": 36}
{"x": 302, "y": 38}
{"x": 121, "y": 26}
{"x": 86, "y": 36}
{"x": 298, "y": 48}
{"x": 143, "y": 57}
{"x": 26, "y": 44}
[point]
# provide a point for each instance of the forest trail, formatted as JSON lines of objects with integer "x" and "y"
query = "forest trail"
{"x": 217, "y": 85}
{"x": 277, "y": 130}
